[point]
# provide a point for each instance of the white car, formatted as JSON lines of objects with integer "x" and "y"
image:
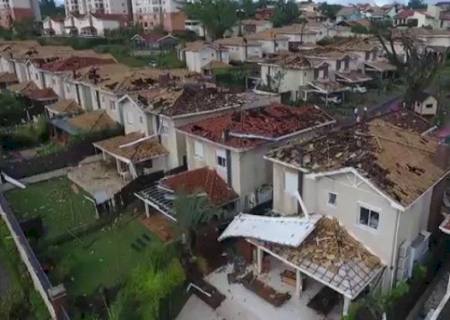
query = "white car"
{"x": 359, "y": 89}
{"x": 332, "y": 99}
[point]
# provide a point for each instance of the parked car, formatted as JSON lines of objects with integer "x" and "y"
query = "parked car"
{"x": 332, "y": 99}
{"x": 359, "y": 89}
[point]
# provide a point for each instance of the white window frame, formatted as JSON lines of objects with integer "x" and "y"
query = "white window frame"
{"x": 199, "y": 151}
{"x": 164, "y": 127}
{"x": 371, "y": 209}
{"x": 290, "y": 183}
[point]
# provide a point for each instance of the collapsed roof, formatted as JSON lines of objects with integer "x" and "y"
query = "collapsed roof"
{"x": 249, "y": 128}
{"x": 389, "y": 151}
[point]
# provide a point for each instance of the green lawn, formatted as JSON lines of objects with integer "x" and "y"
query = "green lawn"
{"x": 103, "y": 258}
{"x": 61, "y": 206}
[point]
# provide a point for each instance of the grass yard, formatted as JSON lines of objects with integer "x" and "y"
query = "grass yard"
{"x": 61, "y": 206}
{"x": 103, "y": 258}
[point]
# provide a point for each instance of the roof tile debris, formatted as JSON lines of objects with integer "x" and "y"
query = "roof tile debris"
{"x": 46, "y": 94}
{"x": 175, "y": 101}
{"x": 75, "y": 63}
{"x": 65, "y": 107}
{"x": 252, "y": 127}
{"x": 332, "y": 255}
{"x": 203, "y": 180}
{"x": 390, "y": 151}
{"x": 23, "y": 87}
{"x": 134, "y": 147}
{"x": 93, "y": 121}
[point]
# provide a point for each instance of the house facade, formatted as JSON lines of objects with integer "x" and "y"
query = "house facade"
{"x": 392, "y": 220}
{"x": 199, "y": 53}
{"x": 234, "y": 144}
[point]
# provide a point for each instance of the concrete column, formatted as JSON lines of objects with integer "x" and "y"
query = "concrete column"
{"x": 147, "y": 210}
{"x": 259, "y": 258}
{"x": 298, "y": 283}
{"x": 347, "y": 302}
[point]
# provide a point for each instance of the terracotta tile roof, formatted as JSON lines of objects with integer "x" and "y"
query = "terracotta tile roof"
{"x": 390, "y": 151}
{"x": 74, "y": 63}
{"x": 291, "y": 61}
{"x": 267, "y": 35}
{"x": 252, "y": 127}
{"x": 23, "y": 87}
{"x": 139, "y": 151}
{"x": 236, "y": 41}
{"x": 45, "y": 94}
{"x": 123, "y": 18}
{"x": 8, "y": 77}
{"x": 214, "y": 65}
{"x": 153, "y": 37}
{"x": 445, "y": 15}
{"x": 203, "y": 180}
{"x": 406, "y": 13}
{"x": 92, "y": 121}
{"x": 196, "y": 46}
{"x": 65, "y": 107}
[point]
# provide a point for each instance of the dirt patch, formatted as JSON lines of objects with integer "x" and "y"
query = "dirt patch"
{"x": 160, "y": 226}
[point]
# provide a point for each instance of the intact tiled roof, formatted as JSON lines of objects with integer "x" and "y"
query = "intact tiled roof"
{"x": 8, "y": 77}
{"x": 153, "y": 37}
{"x": 256, "y": 22}
{"x": 45, "y": 94}
{"x": 203, "y": 180}
{"x": 133, "y": 147}
{"x": 65, "y": 107}
{"x": 389, "y": 151}
{"x": 406, "y": 13}
{"x": 237, "y": 41}
{"x": 111, "y": 17}
{"x": 92, "y": 121}
{"x": 198, "y": 45}
{"x": 267, "y": 35}
{"x": 214, "y": 65}
{"x": 249, "y": 128}
{"x": 347, "y": 11}
{"x": 75, "y": 63}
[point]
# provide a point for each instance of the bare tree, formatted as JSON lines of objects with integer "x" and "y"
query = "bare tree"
{"x": 416, "y": 62}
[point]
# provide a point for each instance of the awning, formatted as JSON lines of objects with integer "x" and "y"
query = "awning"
{"x": 289, "y": 231}
{"x": 327, "y": 87}
{"x": 329, "y": 255}
{"x": 379, "y": 66}
{"x": 352, "y": 77}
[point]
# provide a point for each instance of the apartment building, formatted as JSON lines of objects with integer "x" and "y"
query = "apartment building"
{"x": 97, "y": 6}
{"x": 164, "y": 13}
{"x": 18, "y": 10}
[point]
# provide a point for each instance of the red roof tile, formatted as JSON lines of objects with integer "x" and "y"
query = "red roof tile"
{"x": 201, "y": 180}
{"x": 405, "y": 14}
{"x": 253, "y": 127}
{"x": 75, "y": 63}
{"x": 45, "y": 94}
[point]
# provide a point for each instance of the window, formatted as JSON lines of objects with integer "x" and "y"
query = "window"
{"x": 332, "y": 197}
{"x": 221, "y": 156}
{"x": 221, "y": 161}
{"x": 290, "y": 183}
{"x": 129, "y": 117}
{"x": 369, "y": 218}
{"x": 198, "y": 150}
{"x": 164, "y": 129}
{"x": 429, "y": 106}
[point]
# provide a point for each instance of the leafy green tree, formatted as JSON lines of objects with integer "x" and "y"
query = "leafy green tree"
{"x": 191, "y": 212}
{"x": 249, "y": 8}
{"x": 26, "y": 29}
{"x": 417, "y": 4}
{"x": 158, "y": 276}
{"x": 329, "y": 10}
{"x": 359, "y": 29}
{"x": 218, "y": 16}
{"x": 12, "y": 109}
{"x": 50, "y": 9}
{"x": 286, "y": 12}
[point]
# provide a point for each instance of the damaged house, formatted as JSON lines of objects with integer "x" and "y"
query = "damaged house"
{"x": 366, "y": 199}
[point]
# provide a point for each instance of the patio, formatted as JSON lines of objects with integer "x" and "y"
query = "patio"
{"x": 242, "y": 304}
